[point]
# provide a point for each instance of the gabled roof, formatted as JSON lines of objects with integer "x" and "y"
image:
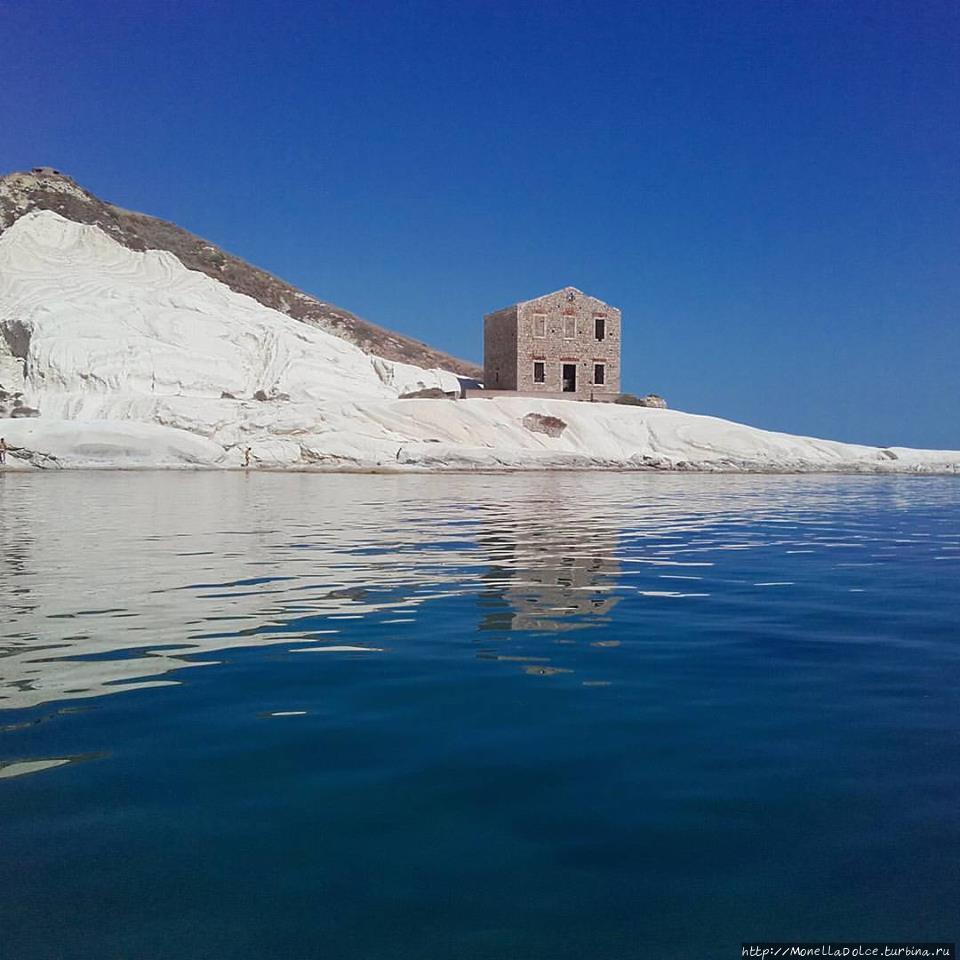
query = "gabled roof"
{"x": 553, "y": 293}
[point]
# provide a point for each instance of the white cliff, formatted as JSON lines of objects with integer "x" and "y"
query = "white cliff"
{"x": 134, "y": 360}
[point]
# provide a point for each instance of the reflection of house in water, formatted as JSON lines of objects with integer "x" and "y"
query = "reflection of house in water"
{"x": 546, "y": 577}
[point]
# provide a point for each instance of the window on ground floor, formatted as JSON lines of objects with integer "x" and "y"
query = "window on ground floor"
{"x": 599, "y": 373}
{"x": 539, "y": 372}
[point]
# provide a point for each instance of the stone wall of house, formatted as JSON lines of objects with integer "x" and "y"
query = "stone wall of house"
{"x": 500, "y": 349}
{"x": 567, "y": 320}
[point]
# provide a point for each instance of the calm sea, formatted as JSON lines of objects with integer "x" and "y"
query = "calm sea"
{"x": 505, "y": 717}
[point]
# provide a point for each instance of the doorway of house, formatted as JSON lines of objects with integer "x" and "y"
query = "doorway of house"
{"x": 569, "y": 378}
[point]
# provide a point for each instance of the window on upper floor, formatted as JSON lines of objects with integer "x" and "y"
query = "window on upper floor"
{"x": 600, "y": 328}
{"x": 539, "y": 326}
{"x": 569, "y": 328}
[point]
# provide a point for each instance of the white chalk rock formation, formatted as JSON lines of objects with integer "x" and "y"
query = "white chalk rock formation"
{"x": 132, "y": 359}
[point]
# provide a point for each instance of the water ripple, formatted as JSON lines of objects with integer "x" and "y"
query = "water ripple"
{"x": 161, "y": 571}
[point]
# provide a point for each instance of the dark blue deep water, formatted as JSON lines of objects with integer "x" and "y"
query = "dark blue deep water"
{"x": 528, "y": 717}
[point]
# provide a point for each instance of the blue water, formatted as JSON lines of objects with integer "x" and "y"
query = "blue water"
{"x": 545, "y": 716}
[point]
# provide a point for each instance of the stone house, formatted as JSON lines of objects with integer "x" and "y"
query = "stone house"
{"x": 563, "y": 343}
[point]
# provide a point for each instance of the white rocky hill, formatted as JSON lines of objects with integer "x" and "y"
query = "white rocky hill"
{"x": 110, "y": 356}
{"x": 47, "y": 189}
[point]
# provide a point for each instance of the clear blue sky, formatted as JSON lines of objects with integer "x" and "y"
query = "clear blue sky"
{"x": 769, "y": 190}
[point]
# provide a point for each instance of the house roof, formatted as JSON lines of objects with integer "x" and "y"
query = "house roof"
{"x": 552, "y": 293}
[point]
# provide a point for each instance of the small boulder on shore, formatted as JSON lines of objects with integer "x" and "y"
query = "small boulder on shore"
{"x": 427, "y": 393}
{"x": 650, "y": 400}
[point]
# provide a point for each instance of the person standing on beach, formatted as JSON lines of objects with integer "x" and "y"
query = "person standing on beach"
{"x": 246, "y": 457}
{"x": 3, "y": 450}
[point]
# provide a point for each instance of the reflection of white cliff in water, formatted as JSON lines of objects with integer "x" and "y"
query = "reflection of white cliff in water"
{"x": 550, "y": 573}
{"x": 110, "y": 582}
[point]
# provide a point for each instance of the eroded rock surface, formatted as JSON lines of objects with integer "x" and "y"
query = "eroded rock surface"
{"x": 543, "y": 423}
{"x": 46, "y": 189}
